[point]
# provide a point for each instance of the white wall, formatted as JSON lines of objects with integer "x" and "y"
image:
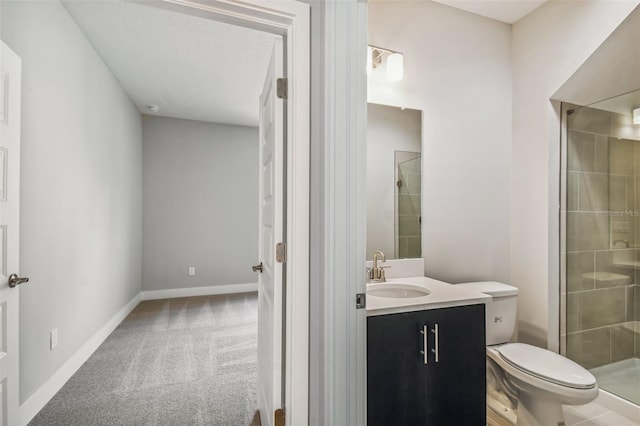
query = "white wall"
{"x": 81, "y": 209}
{"x": 388, "y": 129}
{"x": 200, "y": 203}
{"x": 457, "y": 71}
{"x": 549, "y": 45}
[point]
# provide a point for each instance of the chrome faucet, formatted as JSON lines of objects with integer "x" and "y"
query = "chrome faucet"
{"x": 376, "y": 274}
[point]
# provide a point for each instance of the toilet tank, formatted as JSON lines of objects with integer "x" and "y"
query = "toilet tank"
{"x": 500, "y": 316}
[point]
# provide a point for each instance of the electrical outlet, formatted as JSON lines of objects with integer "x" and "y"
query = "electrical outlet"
{"x": 53, "y": 338}
{"x": 192, "y": 271}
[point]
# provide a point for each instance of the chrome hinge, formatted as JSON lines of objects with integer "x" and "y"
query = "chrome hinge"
{"x": 281, "y": 252}
{"x": 282, "y": 88}
{"x": 361, "y": 301}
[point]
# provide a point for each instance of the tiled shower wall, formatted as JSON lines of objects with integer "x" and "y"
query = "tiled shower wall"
{"x": 602, "y": 253}
{"x": 408, "y": 187}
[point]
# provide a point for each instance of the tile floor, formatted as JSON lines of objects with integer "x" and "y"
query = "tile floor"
{"x": 621, "y": 378}
{"x": 595, "y": 414}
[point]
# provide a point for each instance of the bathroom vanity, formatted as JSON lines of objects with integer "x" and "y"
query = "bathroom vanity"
{"x": 425, "y": 354}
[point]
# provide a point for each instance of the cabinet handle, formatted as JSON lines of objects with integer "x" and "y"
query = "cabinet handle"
{"x": 436, "y": 349}
{"x": 424, "y": 350}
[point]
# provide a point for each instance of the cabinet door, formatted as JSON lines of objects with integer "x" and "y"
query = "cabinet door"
{"x": 457, "y": 380}
{"x": 396, "y": 374}
{"x": 449, "y": 389}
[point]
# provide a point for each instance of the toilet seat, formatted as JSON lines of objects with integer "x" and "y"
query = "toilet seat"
{"x": 546, "y": 365}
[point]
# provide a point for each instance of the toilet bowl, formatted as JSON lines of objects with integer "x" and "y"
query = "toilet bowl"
{"x": 545, "y": 380}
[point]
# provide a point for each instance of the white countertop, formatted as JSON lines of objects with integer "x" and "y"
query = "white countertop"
{"x": 442, "y": 295}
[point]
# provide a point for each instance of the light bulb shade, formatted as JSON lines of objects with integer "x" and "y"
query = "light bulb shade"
{"x": 636, "y": 116}
{"x": 369, "y": 59}
{"x": 395, "y": 67}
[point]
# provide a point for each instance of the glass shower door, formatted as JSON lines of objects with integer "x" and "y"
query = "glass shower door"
{"x": 408, "y": 216}
{"x": 601, "y": 308}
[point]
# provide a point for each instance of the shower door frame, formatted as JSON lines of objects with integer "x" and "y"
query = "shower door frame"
{"x": 396, "y": 201}
{"x": 557, "y": 260}
{"x": 562, "y": 227}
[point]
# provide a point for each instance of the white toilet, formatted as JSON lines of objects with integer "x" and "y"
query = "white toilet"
{"x": 545, "y": 380}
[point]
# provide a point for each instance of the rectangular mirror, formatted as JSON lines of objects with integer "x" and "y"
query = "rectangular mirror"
{"x": 394, "y": 181}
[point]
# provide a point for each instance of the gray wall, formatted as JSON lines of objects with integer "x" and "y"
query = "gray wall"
{"x": 200, "y": 203}
{"x": 81, "y": 190}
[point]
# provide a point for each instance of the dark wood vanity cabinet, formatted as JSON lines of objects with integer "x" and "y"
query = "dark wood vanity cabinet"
{"x": 447, "y": 388}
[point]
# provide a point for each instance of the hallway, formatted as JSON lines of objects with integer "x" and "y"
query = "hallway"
{"x": 187, "y": 361}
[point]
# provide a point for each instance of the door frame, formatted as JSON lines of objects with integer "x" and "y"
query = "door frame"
{"x": 10, "y": 297}
{"x": 291, "y": 20}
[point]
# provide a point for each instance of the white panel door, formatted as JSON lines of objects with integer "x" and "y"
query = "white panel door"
{"x": 270, "y": 281}
{"x": 9, "y": 226}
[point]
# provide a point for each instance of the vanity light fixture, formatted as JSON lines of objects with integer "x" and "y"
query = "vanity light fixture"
{"x": 395, "y": 67}
{"x": 636, "y": 116}
{"x": 395, "y": 62}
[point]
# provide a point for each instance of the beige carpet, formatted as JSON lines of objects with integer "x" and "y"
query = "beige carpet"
{"x": 188, "y": 361}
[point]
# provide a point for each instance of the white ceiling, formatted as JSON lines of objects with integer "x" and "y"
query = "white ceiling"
{"x": 192, "y": 68}
{"x": 198, "y": 69}
{"x": 509, "y": 11}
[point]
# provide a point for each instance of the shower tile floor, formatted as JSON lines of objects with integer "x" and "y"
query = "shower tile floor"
{"x": 621, "y": 378}
{"x": 597, "y": 416}
{"x": 596, "y": 413}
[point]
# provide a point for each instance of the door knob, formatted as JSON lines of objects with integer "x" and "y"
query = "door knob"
{"x": 257, "y": 268}
{"x": 15, "y": 280}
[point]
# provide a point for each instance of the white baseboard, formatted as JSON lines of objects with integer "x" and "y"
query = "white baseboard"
{"x": 39, "y": 399}
{"x": 199, "y": 291}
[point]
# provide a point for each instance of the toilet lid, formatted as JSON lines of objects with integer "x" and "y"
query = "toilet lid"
{"x": 547, "y": 365}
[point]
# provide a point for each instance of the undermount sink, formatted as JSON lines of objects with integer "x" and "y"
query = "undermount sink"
{"x": 396, "y": 290}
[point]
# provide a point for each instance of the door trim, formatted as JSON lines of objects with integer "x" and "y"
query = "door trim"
{"x": 290, "y": 19}
{"x": 10, "y": 132}
{"x": 338, "y": 355}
